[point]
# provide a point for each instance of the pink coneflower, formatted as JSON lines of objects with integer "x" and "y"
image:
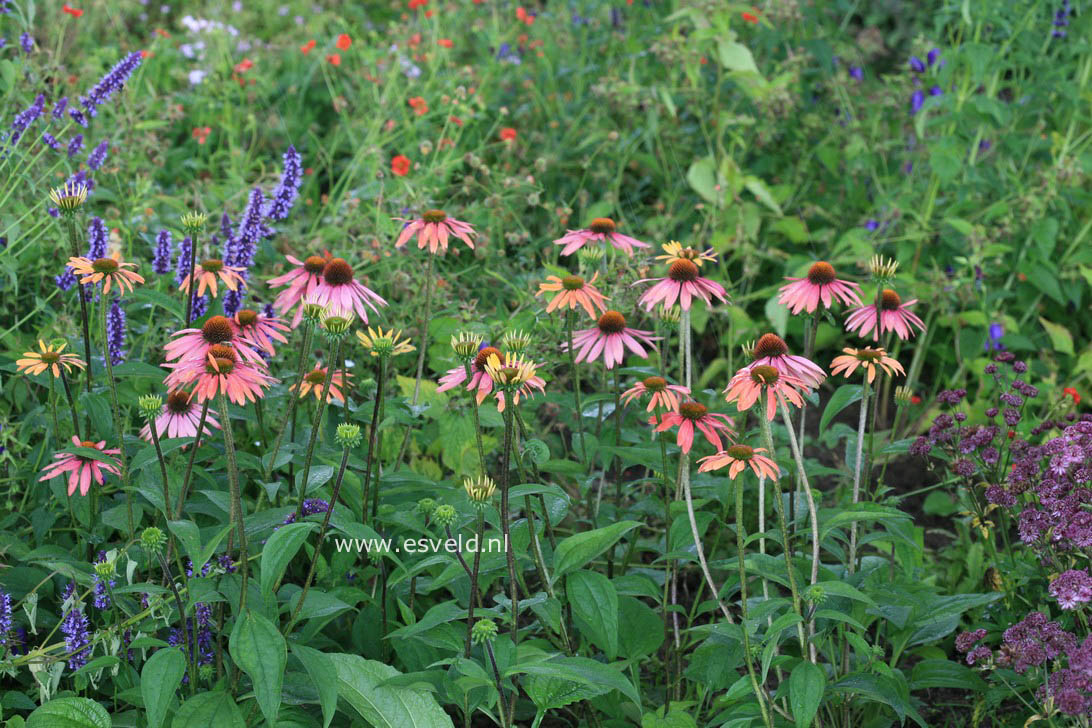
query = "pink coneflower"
{"x": 301, "y": 280}
{"x": 738, "y": 457}
{"x": 610, "y": 338}
{"x": 870, "y": 360}
{"x": 820, "y": 284}
{"x": 258, "y": 329}
{"x": 82, "y": 470}
{"x": 772, "y": 350}
{"x": 314, "y": 381}
{"x": 683, "y": 283}
{"x": 179, "y": 417}
{"x": 575, "y": 291}
{"x": 481, "y": 383}
{"x": 665, "y": 396}
{"x": 108, "y": 270}
{"x": 194, "y": 344}
{"x": 206, "y": 273}
{"x": 221, "y": 370}
{"x": 339, "y": 289}
{"x": 749, "y": 384}
{"x": 601, "y": 228}
{"x": 890, "y": 315}
{"x": 434, "y": 228}
{"x": 690, "y": 415}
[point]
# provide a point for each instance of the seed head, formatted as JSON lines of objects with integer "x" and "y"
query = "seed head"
{"x": 770, "y": 345}
{"x": 655, "y": 384}
{"x": 426, "y": 506}
{"x": 434, "y": 216}
{"x": 693, "y": 410}
{"x": 821, "y": 273}
{"x": 683, "y": 271}
{"x": 338, "y": 272}
{"x": 602, "y": 225}
{"x": 612, "y": 322}
{"x": 152, "y": 539}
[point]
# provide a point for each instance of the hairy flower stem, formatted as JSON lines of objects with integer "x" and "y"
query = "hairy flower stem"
{"x": 74, "y": 244}
{"x": 760, "y": 695}
{"x": 477, "y": 422}
{"x": 501, "y": 703}
{"x": 53, "y": 407}
{"x": 71, "y": 404}
{"x": 576, "y": 389}
{"x": 193, "y": 456}
{"x": 373, "y": 439}
{"x": 506, "y": 452}
{"x": 671, "y": 618}
{"x": 857, "y": 467}
{"x": 190, "y": 636}
{"x": 321, "y": 538}
{"x": 192, "y": 295}
{"x": 236, "y": 514}
{"x": 115, "y": 408}
{"x": 316, "y": 425}
{"x": 290, "y": 415}
{"x": 474, "y": 596}
{"x": 162, "y": 471}
{"x": 423, "y": 349}
{"x": 811, "y": 329}
{"x": 813, "y": 514}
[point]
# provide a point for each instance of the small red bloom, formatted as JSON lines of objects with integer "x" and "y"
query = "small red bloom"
{"x": 445, "y": 42}
{"x": 74, "y": 12}
{"x": 244, "y": 65}
{"x": 143, "y": 54}
{"x": 419, "y": 105}
{"x": 1012, "y": 434}
{"x": 414, "y": 40}
{"x": 159, "y": 31}
{"x": 455, "y": 120}
{"x": 508, "y": 134}
{"x": 307, "y": 47}
{"x": 915, "y": 399}
{"x": 414, "y": 4}
{"x": 400, "y": 165}
{"x": 334, "y": 59}
{"x": 751, "y": 18}
{"x": 343, "y": 42}
{"x": 1072, "y": 393}
{"x": 201, "y": 133}
{"x": 524, "y": 17}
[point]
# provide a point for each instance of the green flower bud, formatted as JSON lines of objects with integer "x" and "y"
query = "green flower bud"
{"x": 347, "y": 435}
{"x": 815, "y": 594}
{"x": 444, "y": 515}
{"x": 105, "y": 569}
{"x": 312, "y": 310}
{"x": 150, "y": 405}
{"x": 69, "y": 197}
{"x": 193, "y": 223}
{"x": 426, "y": 506}
{"x": 152, "y": 539}
{"x": 516, "y": 342}
{"x": 479, "y": 490}
{"x": 466, "y": 344}
{"x": 484, "y": 630}
{"x": 336, "y": 322}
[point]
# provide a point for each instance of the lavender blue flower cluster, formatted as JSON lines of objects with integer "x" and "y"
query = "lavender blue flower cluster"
{"x": 108, "y": 85}
{"x": 161, "y": 259}
{"x": 205, "y": 653}
{"x": 115, "y": 332}
{"x": 311, "y": 506}
{"x": 77, "y": 637}
{"x": 920, "y": 68}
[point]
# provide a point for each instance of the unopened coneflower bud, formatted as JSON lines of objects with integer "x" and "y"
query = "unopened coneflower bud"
{"x": 484, "y": 630}
{"x": 150, "y": 404}
{"x": 69, "y": 197}
{"x": 336, "y": 322}
{"x": 748, "y": 349}
{"x": 883, "y": 269}
{"x": 466, "y": 344}
{"x": 105, "y": 569}
{"x": 815, "y": 594}
{"x": 382, "y": 344}
{"x": 669, "y": 315}
{"x": 152, "y": 539}
{"x": 426, "y": 506}
{"x": 590, "y": 255}
{"x": 444, "y": 515}
{"x": 347, "y": 435}
{"x": 479, "y": 490}
{"x": 903, "y": 395}
{"x": 193, "y": 223}
{"x": 312, "y": 310}
{"x": 516, "y": 341}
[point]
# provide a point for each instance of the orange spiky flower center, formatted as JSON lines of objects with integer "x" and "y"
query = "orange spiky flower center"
{"x": 693, "y": 410}
{"x": 178, "y": 403}
{"x": 655, "y": 384}
{"x": 612, "y": 322}
{"x": 483, "y": 357}
{"x": 50, "y": 357}
{"x": 764, "y": 374}
{"x": 314, "y": 264}
{"x": 889, "y": 300}
{"x": 338, "y": 272}
{"x": 104, "y": 265}
{"x": 217, "y": 330}
{"x": 821, "y": 273}
{"x": 315, "y": 376}
{"x": 434, "y": 216}
{"x": 212, "y": 265}
{"x": 88, "y": 443}
{"x": 246, "y": 317}
{"x": 224, "y": 358}
{"x": 740, "y": 452}
{"x": 572, "y": 283}
{"x": 602, "y": 225}
{"x": 683, "y": 271}
{"x": 770, "y": 345}
{"x": 870, "y": 355}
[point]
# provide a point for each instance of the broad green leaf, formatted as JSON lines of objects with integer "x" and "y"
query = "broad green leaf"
{"x": 582, "y": 669}
{"x": 843, "y": 397}
{"x": 358, "y": 682}
{"x": 190, "y": 536}
{"x": 940, "y": 673}
{"x": 69, "y": 713}
{"x": 778, "y": 315}
{"x": 259, "y": 650}
{"x": 806, "y": 685}
{"x": 323, "y": 673}
{"x": 550, "y": 692}
{"x": 579, "y": 549}
{"x": 159, "y": 678}
{"x": 214, "y": 709}
{"x": 640, "y": 631}
{"x": 674, "y": 719}
{"x": 594, "y": 602}
{"x": 841, "y": 589}
{"x": 762, "y": 193}
{"x": 279, "y": 551}
{"x": 1060, "y": 338}
{"x": 735, "y": 56}
{"x": 702, "y": 177}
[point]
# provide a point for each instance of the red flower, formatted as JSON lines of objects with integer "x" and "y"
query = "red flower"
{"x": 400, "y": 165}
{"x": 524, "y": 17}
{"x": 143, "y": 54}
{"x": 507, "y": 134}
{"x": 1072, "y": 393}
{"x": 334, "y": 59}
{"x": 445, "y": 42}
{"x": 159, "y": 31}
{"x": 414, "y": 4}
{"x": 751, "y": 18}
{"x": 307, "y": 47}
{"x": 201, "y": 133}
{"x": 455, "y": 120}
{"x": 419, "y": 105}
{"x": 343, "y": 42}
{"x": 414, "y": 40}
{"x": 244, "y": 65}
{"x": 74, "y": 12}
{"x": 915, "y": 399}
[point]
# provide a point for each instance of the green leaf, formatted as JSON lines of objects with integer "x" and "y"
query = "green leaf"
{"x": 153, "y": 297}
{"x": 580, "y": 548}
{"x": 279, "y": 551}
{"x": 762, "y": 193}
{"x": 941, "y": 673}
{"x": 69, "y": 713}
{"x": 159, "y": 678}
{"x": 843, "y": 397}
{"x": 594, "y": 602}
{"x": 550, "y": 692}
{"x": 777, "y": 315}
{"x": 259, "y": 650}
{"x": 358, "y": 682}
{"x": 806, "y": 685}
{"x": 641, "y": 629}
{"x": 1060, "y": 338}
{"x": 841, "y": 589}
{"x": 946, "y": 159}
{"x": 674, "y": 719}
{"x": 320, "y": 668}
{"x": 209, "y": 710}
{"x": 735, "y": 56}
{"x": 1046, "y": 280}
{"x": 581, "y": 669}
{"x": 190, "y": 536}
{"x": 702, "y": 177}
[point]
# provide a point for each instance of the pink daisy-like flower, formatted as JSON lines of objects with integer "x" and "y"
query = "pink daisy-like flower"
{"x": 258, "y": 329}
{"x": 206, "y": 273}
{"x": 683, "y": 283}
{"x": 194, "y": 344}
{"x": 890, "y": 315}
{"x": 601, "y": 228}
{"x": 315, "y": 380}
{"x": 772, "y": 350}
{"x": 665, "y": 396}
{"x": 610, "y": 338}
{"x": 738, "y": 457}
{"x": 221, "y": 370}
{"x": 108, "y": 270}
{"x": 482, "y": 384}
{"x": 749, "y": 384}
{"x": 575, "y": 291}
{"x": 434, "y": 228}
{"x": 690, "y": 415}
{"x": 820, "y": 284}
{"x": 339, "y": 289}
{"x": 300, "y": 281}
{"x": 82, "y": 470}
{"x": 179, "y": 417}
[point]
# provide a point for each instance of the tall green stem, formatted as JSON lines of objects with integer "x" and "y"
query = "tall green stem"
{"x": 576, "y": 386}
{"x": 191, "y": 295}
{"x": 740, "y": 540}
{"x": 71, "y": 403}
{"x": 74, "y": 244}
{"x": 506, "y": 452}
{"x": 236, "y": 514}
{"x": 290, "y": 414}
{"x": 857, "y": 468}
{"x": 193, "y": 456}
{"x": 373, "y": 438}
{"x": 813, "y": 514}
{"x": 115, "y": 408}
{"x": 423, "y": 348}
{"x": 316, "y": 424}
{"x": 474, "y": 582}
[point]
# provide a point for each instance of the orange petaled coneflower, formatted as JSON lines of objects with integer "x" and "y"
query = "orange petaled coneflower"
{"x": 750, "y": 383}
{"x": 662, "y": 395}
{"x": 692, "y": 415}
{"x": 206, "y": 273}
{"x": 48, "y": 357}
{"x": 871, "y": 360}
{"x": 738, "y": 457}
{"x": 314, "y": 381}
{"x": 574, "y": 292}
{"x": 112, "y": 270}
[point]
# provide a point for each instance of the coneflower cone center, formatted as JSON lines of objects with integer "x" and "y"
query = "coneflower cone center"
{"x": 212, "y": 265}
{"x": 314, "y": 264}
{"x": 889, "y": 300}
{"x": 655, "y": 384}
{"x": 87, "y": 443}
{"x": 50, "y": 357}
{"x": 246, "y": 317}
{"x": 770, "y": 345}
{"x": 764, "y": 374}
{"x": 217, "y": 330}
{"x": 104, "y": 265}
{"x": 602, "y": 225}
{"x": 612, "y": 322}
{"x": 871, "y": 355}
{"x": 483, "y": 356}
{"x": 683, "y": 271}
{"x": 178, "y": 403}
{"x": 223, "y": 357}
{"x": 508, "y": 375}
{"x": 740, "y": 452}
{"x": 693, "y": 410}
{"x": 337, "y": 272}
{"x": 434, "y": 216}
{"x": 821, "y": 273}
{"x": 315, "y": 376}
{"x": 572, "y": 283}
